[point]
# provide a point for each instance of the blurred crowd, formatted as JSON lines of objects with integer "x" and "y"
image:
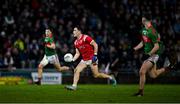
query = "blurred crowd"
{"x": 114, "y": 24}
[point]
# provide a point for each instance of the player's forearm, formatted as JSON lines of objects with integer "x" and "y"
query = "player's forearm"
{"x": 139, "y": 46}
{"x": 52, "y": 46}
{"x": 155, "y": 49}
{"x": 95, "y": 48}
{"x": 76, "y": 56}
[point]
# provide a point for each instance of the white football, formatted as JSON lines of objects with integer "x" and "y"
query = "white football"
{"x": 68, "y": 57}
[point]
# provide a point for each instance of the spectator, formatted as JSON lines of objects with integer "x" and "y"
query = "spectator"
{"x": 106, "y": 21}
{"x": 19, "y": 44}
{"x": 9, "y": 61}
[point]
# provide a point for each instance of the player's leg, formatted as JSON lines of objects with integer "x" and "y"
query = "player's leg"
{"x": 80, "y": 67}
{"x": 40, "y": 71}
{"x": 55, "y": 61}
{"x": 97, "y": 74}
{"x": 146, "y": 66}
{"x": 77, "y": 71}
{"x": 43, "y": 63}
{"x": 154, "y": 72}
{"x": 143, "y": 70}
{"x": 60, "y": 68}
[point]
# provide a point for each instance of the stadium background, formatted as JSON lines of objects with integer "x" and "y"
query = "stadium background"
{"x": 114, "y": 25}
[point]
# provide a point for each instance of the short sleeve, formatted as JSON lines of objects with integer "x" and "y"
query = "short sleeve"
{"x": 88, "y": 39}
{"x": 154, "y": 36}
{"x": 154, "y": 39}
{"x": 51, "y": 40}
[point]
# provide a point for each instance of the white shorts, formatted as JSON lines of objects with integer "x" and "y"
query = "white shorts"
{"x": 49, "y": 59}
{"x": 88, "y": 62}
{"x": 153, "y": 58}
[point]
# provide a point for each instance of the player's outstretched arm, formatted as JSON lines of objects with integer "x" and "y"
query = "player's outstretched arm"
{"x": 76, "y": 56}
{"x": 139, "y": 46}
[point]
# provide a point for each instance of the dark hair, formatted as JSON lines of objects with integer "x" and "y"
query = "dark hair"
{"x": 147, "y": 16}
{"x": 78, "y": 27}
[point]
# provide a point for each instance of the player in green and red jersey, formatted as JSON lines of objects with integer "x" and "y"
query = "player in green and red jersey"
{"x": 50, "y": 56}
{"x": 153, "y": 47}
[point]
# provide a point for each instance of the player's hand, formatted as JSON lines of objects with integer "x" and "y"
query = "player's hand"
{"x": 72, "y": 61}
{"x": 95, "y": 59}
{"x": 145, "y": 56}
{"x": 47, "y": 44}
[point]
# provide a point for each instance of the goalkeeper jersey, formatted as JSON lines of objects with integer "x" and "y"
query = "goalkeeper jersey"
{"x": 150, "y": 36}
{"x": 49, "y": 51}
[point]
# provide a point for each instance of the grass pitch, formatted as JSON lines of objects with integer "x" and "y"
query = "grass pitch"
{"x": 88, "y": 94}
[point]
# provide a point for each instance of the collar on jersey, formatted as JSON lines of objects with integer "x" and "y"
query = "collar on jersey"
{"x": 149, "y": 25}
{"x": 50, "y": 35}
{"x": 80, "y": 37}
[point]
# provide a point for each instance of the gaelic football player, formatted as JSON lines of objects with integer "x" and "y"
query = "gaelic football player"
{"x": 153, "y": 47}
{"x": 50, "y": 56}
{"x": 88, "y": 49}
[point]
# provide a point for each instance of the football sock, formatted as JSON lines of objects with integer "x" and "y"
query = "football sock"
{"x": 39, "y": 79}
{"x": 141, "y": 91}
{"x": 110, "y": 77}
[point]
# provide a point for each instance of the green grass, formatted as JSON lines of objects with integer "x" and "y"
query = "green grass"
{"x": 89, "y": 93}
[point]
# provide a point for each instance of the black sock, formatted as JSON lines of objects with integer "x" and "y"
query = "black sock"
{"x": 141, "y": 91}
{"x": 39, "y": 79}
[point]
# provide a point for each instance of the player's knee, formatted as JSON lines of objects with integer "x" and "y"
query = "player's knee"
{"x": 153, "y": 76}
{"x": 40, "y": 66}
{"x": 58, "y": 68}
{"x": 142, "y": 72}
{"x": 96, "y": 75}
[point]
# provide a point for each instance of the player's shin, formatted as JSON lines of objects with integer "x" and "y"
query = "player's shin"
{"x": 76, "y": 78}
{"x": 40, "y": 71}
{"x": 142, "y": 81}
{"x": 65, "y": 68}
{"x": 101, "y": 75}
{"x": 61, "y": 68}
{"x": 141, "y": 86}
{"x": 160, "y": 71}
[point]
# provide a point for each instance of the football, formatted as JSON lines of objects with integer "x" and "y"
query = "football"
{"x": 68, "y": 57}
